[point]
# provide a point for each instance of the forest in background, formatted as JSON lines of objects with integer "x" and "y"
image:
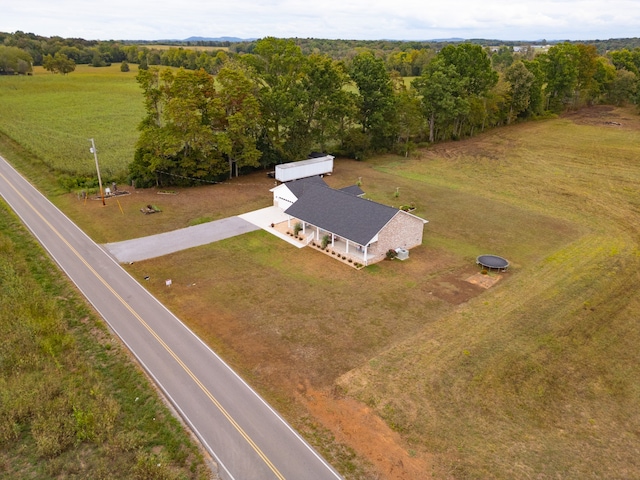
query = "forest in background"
{"x": 234, "y": 107}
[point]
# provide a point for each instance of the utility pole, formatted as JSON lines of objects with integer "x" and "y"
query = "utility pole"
{"x": 95, "y": 155}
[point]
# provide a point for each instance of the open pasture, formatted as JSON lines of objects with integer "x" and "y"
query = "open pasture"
{"x": 54, "y": 116}
{"x": 533, "y": 377}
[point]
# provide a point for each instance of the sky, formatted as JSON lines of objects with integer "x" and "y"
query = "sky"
{"x": 330, "y": 19}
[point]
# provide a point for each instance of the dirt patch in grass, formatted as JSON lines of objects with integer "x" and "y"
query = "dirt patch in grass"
{"x": 357, "y": 425}
{"x": 484, "y": 280}
{"x": 454, "y": 288}
{"x": 605, "y": 115}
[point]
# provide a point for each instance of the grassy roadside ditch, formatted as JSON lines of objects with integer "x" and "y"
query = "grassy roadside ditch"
{"x": 72, "y": 403}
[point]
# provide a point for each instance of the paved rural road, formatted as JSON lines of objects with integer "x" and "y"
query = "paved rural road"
{"x": 245, "y": 435}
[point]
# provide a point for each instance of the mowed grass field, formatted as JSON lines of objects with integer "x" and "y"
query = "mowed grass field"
{"x": 535, "y": 377}
{"x": 538, "y": 377}
{"x": 54, "y": 116}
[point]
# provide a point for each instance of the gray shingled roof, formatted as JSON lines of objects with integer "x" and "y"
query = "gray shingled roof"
{"x": 353, "y": 190}
{"x": 297, "y": 187}
{"x": 343, "y": 214}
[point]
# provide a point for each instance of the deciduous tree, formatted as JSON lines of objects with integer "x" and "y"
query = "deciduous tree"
{"x": 328, "y": 107}
{"x": 536, "y": 95}
{"x": 178, "y": 141}
{"x": 375, "y": 98}
{"x": 520, "y": 84}
{"x": 626, "y": 59}
{"x": 473, "y": 66}
{"x": 409, "y": 117}
{"x": 441, "y": 90}
{"x": 14, "y": 60}
{"x": 279, "y": 68}
{"x": 624, "y": 88}
{"x": 241, "y": 121}
{"x": 587, "y": 85}
{"x": 560, "y": 65}
{"x": 476, "y": 75}
{"x": 59, "y": 63}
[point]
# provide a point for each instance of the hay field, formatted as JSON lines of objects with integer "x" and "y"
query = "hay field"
{"x": 54, "y": 116}
{"x": 537, "y": 378}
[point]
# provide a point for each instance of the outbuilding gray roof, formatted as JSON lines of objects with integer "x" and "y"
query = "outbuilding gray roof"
{"x": 341, "y": 213}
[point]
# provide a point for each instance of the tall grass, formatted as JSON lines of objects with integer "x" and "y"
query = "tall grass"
{"x": 54, "y": 116}
{"x": 71, "y": 403}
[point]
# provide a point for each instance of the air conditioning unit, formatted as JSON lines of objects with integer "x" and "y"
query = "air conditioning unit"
{"x": 403, "y": 253}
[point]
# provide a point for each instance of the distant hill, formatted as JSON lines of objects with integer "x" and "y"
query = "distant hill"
{"x": 444, "y": 40}
{"x": 218, "y": 39}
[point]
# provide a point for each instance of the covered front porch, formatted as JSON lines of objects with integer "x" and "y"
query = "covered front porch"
{"x": 339, "y": 247}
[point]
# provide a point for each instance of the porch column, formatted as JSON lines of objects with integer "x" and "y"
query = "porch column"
{"x": 365, "y": 254}
{"x": 347, "y": 247}
{"x": 333, "y": 237}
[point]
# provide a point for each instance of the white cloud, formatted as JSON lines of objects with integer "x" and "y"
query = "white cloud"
{"x": 361, "y": 19}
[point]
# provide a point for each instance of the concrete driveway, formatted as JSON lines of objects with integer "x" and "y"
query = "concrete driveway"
{"x": 164, "y": 243}
{"x": 264, "y": 217}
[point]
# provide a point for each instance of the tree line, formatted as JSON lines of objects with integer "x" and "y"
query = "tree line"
{"x": 276, "y": 100}
{"x": 408, "y": 58}
{"x": 45, "y": 50}
{"x": 277, "y": 104}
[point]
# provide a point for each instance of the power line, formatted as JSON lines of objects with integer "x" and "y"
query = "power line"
{"x": 211, "y": 181}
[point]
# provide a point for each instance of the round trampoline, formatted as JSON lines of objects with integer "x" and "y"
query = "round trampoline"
{"x": 492, "y": 262}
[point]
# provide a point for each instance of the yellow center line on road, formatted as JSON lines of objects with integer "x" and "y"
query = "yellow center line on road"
{"x": 155, "y": 335}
